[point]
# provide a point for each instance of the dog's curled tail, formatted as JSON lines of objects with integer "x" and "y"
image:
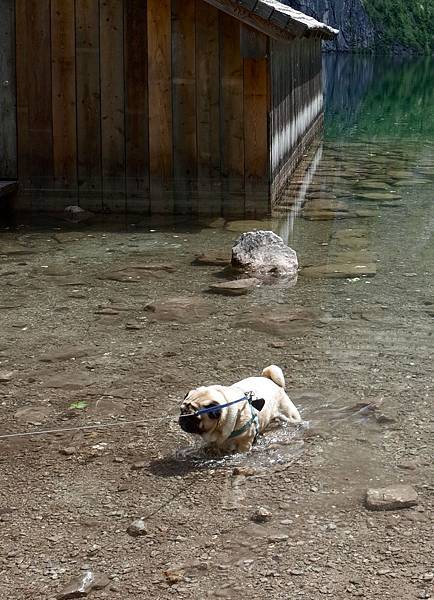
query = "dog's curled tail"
{"x": 274, "y": 373}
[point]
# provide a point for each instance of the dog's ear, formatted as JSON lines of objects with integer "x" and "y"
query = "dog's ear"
{"x": 258, "y": 403}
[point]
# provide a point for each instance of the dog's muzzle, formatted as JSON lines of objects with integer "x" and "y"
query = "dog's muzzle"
{"x": 190, "y": 423}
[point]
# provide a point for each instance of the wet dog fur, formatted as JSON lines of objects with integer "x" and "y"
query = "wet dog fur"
{"x": 215, "y": 428}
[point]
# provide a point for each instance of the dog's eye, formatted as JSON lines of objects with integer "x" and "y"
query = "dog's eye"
{"x": 215, "y": 414}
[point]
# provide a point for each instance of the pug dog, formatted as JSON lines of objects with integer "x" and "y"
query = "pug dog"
{"x": 234, "y": 428}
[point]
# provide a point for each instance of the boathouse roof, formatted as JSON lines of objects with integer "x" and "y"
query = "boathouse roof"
{"x": 275, "y": 19}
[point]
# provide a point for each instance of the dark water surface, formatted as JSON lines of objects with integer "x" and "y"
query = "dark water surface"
{"x": 355, "y": 330}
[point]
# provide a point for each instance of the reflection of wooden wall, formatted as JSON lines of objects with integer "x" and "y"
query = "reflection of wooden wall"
{"x": 144, "y": 105}
{"x": 296, "y": 105}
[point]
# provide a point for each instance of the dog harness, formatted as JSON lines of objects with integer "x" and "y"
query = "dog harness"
{"x": 252, "y": 421}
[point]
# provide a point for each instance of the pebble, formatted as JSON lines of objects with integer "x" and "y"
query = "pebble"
{"x": 407, "y": 465}
{"x": 244, "y": 471}
{"x": 6, "y": 376}
{"x": 137, "y": 528}
{"x": 68, "y": 450}
{"x": 138, "y": 465}
{"x": 391, "y": 498}
{"x": 262, "y": 515}
{"x": 133, "y": 325}
{"x": 81, "y": 586}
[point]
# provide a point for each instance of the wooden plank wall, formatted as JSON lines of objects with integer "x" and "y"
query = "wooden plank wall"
{"x": 8, "y": 144}
{"x": 296, "y": 105}
{"x": 142, "y": 105}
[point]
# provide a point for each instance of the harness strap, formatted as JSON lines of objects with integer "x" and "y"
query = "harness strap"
{"x": 252, "y": 421}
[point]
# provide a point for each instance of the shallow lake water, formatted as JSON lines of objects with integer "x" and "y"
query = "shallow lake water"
{"x": 356, "y": 328}
{"x": 111, "y": 321}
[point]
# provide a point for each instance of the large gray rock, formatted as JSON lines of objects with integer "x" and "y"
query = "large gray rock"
{"x": 264, "y": 252}
{"x": 391, "y": 498}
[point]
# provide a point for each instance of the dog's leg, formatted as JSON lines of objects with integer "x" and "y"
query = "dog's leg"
{"x": 287, "y": 411}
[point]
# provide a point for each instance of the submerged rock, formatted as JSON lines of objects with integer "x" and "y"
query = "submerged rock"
{"x": 391, "y": 498}
{"x": 340, "y": 270}
{"x": 183, "y": 309}
{"x": 81, "y": 586}
{"x": 378, "y": 196}
{"x": 213, "y": 259}
{"x": 240, "y": 226}
{"x": 264, "y": 252}
{"x": 282, "y": 322}
{"x": 239, "y": 287}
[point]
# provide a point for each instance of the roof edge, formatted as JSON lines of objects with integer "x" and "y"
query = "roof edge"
{"x": 275, "y": 19}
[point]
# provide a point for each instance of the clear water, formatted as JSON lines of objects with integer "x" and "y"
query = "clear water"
{"x": 356, "y": 350}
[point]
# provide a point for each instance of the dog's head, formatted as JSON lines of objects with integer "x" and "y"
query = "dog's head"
{"x": 195, "y": 400}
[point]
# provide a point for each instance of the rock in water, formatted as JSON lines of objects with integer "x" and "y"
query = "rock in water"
{"x": 83, "y": 585}
{"x": 264, "y": 252}
{"x": 391, "y": 498}
{"x": 239, "y": 287}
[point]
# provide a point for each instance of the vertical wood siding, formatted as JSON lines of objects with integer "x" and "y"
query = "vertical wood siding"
{"x": 296, "y": 105}
{"x": 8, "y": 134}
{"x": 155, "y": 105}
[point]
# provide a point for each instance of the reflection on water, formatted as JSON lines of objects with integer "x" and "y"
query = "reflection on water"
{"x": 373, "y": 98}
{"x": 356, "y": 328}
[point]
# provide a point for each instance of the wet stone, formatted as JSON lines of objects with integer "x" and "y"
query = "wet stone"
{"x": 137, "y": 528}
{"x": 70, "y": 381}
{"x": 378, "y": 196}
{"x": 284, "y": 323}
{"x": 264, "y": 252}
{"x": 326, "y": 205}
{"x": 67, "y": 353}
{"x": 182, "y": 309}
{"x": 326, "y": 215}
{"x": 33, "y": 414}
{"x": 340, "y": 270}
{"x": 391, "y": 498}
{"x": 239, "y": 287}
{"x": 217, "y": 259}
{"x": 14, "y": 248}
{"x": 373, "y": 185}
{"x": 83, "y": 585}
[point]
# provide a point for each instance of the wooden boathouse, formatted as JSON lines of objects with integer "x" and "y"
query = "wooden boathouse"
{"x": 156, "y": 106}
